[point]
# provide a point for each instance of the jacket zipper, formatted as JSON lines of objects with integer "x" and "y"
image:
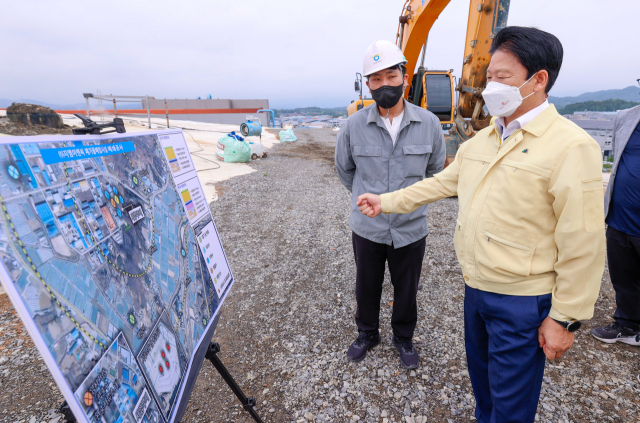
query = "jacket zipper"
{"x": 505, "y": 242}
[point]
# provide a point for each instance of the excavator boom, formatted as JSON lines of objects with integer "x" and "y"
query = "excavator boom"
{"x": 486, "y": 18}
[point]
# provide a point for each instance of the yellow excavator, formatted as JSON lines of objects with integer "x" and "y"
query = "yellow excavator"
{"x": 435, "y": 90}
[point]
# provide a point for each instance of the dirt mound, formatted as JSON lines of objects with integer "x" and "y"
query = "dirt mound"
{"x": 312, "y": 144}
{"x": 18, "y": 128}
{"x": 29, "y": 108}
{"x": 32, "y": 114}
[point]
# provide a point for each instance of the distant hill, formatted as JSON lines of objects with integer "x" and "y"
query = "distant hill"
{"x": 630, "y": 93}
{"x": 598, "y": 106}
{"x": 313, "y": 111}
{"x": 5, "y": 102}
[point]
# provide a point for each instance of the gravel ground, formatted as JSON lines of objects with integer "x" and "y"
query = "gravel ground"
{"x": 289, "y": 319}
{"x": 28, "y": 392}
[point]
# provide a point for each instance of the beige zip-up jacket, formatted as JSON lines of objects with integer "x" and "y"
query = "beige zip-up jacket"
{"x": 531, "y": 212}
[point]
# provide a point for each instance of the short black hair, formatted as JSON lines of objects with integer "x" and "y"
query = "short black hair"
{"x": 399, "y": 66}
{"x": 535, "y": 50}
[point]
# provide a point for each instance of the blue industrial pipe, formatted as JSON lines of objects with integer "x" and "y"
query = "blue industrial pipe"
{"x": 273, "y": 116}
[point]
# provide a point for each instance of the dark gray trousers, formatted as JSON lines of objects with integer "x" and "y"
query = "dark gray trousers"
{"x": 623, "y": 254}
{"x": 405, "y": 265}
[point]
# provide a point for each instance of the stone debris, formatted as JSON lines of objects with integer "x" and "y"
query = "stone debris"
{"x": 27, "y": 390}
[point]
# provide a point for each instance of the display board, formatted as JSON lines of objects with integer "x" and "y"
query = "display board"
{"x": 110, "y": 255}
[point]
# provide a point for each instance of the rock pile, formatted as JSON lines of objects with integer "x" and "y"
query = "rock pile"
{"x": 32, "y": 114}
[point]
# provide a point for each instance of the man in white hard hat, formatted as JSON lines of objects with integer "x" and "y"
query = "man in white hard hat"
{"x": 387, "y": 146}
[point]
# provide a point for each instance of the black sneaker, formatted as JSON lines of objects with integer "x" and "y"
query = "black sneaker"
{"x": 408, "y": 354}
{"x": 366, "y": 341}
{"x": 616, "y": 332}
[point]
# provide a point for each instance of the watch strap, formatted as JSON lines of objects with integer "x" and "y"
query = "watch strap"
{"x": 570, "y": 326}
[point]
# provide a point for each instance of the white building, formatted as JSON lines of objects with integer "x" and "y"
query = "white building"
{"x": 600, "y": 130}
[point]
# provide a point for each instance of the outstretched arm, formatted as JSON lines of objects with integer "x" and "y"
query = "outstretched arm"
{"x": 442, "y": 185}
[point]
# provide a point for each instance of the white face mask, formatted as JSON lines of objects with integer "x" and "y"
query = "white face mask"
{"x": 502, "y": 99}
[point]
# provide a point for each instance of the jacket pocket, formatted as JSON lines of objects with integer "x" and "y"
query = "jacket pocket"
{"x": 502, "y": 254}
{"x": 593, "y": 198}
{"x": 415, "y": 159}
{"x": 368, "y": 162}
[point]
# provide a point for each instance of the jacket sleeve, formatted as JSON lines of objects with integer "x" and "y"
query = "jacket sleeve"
{"x": 578, "y": 204}
{"x": 442, "y": 185}
{"x": 613, "y": 137}
{"x": 345, "y": 166}
{"x": 439, "y": 152}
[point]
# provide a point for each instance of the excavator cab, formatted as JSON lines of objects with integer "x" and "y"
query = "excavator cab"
{"x": 435, "y": 93}
{"x": 358, "y": 104}
{"x": 361, "y": 103}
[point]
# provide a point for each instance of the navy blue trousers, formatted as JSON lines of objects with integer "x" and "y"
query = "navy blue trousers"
{"x": 506, "y": 363}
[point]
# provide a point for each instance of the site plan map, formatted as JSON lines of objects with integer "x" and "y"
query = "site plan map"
{"x": 111, "y": 257}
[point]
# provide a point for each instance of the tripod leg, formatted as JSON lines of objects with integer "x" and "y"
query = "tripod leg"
{"x": 65, "y": 410}
{"x": 247, "y": 403}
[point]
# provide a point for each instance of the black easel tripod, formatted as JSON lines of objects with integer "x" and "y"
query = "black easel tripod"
{"x": 247, "y": 403}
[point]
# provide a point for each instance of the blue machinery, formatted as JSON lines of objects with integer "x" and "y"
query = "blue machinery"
{"x": 251, "y": 128}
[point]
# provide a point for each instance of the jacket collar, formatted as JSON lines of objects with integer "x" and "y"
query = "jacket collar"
{"x": 410, "y": 115}
{"x": 539, "y": 124}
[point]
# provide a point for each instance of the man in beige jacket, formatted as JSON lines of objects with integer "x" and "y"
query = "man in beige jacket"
{"x": 530, "y": 231}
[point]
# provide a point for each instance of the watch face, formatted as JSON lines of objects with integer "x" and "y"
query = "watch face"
{"x": 574, "y": 326}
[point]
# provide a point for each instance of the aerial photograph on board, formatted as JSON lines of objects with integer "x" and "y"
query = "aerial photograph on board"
{"x": 95, "y": 237}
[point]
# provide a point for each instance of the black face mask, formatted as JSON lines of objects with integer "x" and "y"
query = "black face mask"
{"x": 387, "y": 96}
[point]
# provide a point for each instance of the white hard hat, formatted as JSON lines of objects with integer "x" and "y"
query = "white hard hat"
{"x": 381, "y": 54}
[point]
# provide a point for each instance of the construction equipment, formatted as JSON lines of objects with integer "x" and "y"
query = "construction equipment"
{"x": 251, "y": 128}
{"x": 94, "y": 128}
{"x": 434, "y": 90}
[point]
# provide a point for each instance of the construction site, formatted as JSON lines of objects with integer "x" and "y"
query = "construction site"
{"x": 285, "y": 221}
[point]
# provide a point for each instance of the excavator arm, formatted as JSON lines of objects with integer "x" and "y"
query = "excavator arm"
{"x": 486, "y": 18}
{"x": 416, "y": 20}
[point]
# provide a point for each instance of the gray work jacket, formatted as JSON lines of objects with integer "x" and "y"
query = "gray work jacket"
{"x": 623, "y": 126}
{"x": 368, "y": 162}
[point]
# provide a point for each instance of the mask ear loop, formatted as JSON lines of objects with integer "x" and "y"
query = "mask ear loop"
{"x": 524, "y": 85}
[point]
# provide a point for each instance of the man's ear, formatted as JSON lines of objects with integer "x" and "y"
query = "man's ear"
{"x": 367, "y": 81}
{"x": 406, "y": 80}
{"x": 541, "y": 80}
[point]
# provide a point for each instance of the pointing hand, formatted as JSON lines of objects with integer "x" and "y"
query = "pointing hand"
{"x": 370, "y": 204}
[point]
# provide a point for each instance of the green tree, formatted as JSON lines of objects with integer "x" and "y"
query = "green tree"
{"x": 610, "y": 105}
{"x": 334, "y": 112}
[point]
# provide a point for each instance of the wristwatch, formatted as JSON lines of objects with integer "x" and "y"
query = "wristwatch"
{"x": 571, "y": 325}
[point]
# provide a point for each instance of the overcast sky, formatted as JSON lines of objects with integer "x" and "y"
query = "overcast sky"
{"x": 294, "y": 53}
